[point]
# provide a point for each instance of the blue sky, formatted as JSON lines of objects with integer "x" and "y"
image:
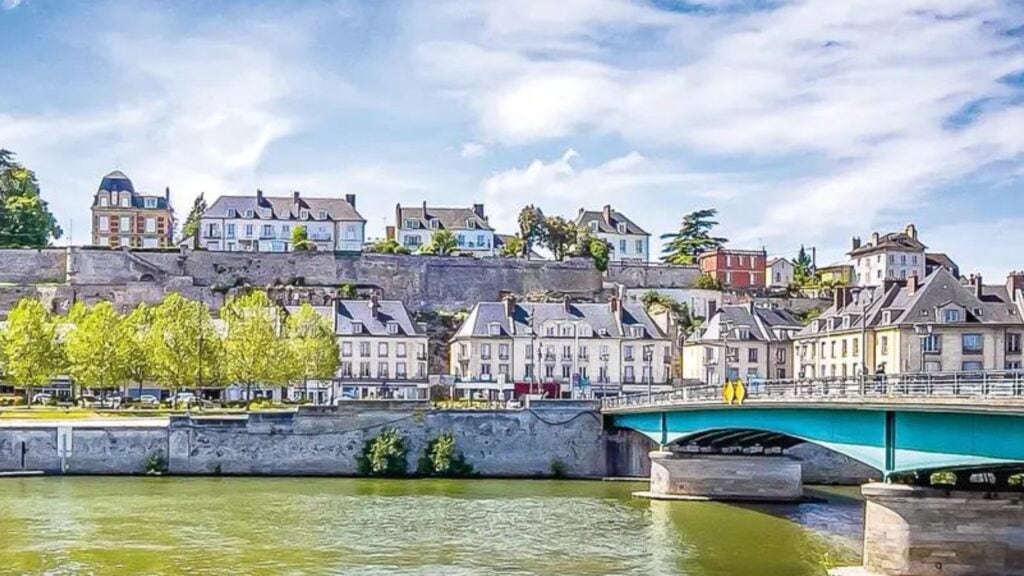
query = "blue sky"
{"x": 803, "y": 122}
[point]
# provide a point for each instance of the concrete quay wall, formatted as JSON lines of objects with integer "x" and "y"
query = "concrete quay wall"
{"x": 549, "y": 437}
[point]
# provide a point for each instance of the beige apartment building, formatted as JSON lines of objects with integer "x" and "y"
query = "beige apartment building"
{"x": 939, "y": 324}
{"x": 562, "y": 348}
{"x": 383, "y": 351}
{"x": 742, "y": 342}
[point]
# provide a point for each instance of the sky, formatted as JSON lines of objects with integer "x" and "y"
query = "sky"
{"x": 802, "y": 122}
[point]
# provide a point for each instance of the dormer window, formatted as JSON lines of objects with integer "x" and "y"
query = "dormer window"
{"x": 322, "y": 215}
{"x": 636, "y": 331}
{"x": 621, "y": 227}
{"x": 392, "y": 327}
{"x": 887, "y": 317}
{"x": 978, "y": 312}
{"x": 494, "y": 329}
{"x": 104, "y": 202}
{"x": 126, "y": 201}
{"x": 357, "y": 327}
{"x": 150, "y": 202}
{"x": 413, "y": 224}
{"x": 743, "y": 333}
{"x": 593, "y": 225}
{"x": 249, "y": 213}
{"x": 471, "y": 224}
{"x": 232, "y": 213}
{"x": 951, "y": 315}
{"x": 303, "y": 214}
{"x": 435, "y": 223}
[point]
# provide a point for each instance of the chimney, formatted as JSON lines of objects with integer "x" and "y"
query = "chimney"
{"x": 840, "y": 297}
{"x": 912, "y": 284}
{"x": 478, "y": 209}
{"x": 607, "y": 211}
{"x": 582, "y": 211}
{"x": 424, "y": 209}
{"x": 615, "y": 305}
{"x": 874, "y": 239}
{"x": 565, "y": 305}
{"x": 295, "y": 196}
{"x": 977, "y": 285}
{"x": 351, "y": 199}
{"x": 712, "y": 307}
{"x": 1015, "y": 283}
{"x": 911, "y": 231}
{"x": 856, "y": 242}
{"x": 167, "y": 193}
{"x": 509, "y": 301}
{"x": 374, "y": 304}
{"x": 259, "y": 196}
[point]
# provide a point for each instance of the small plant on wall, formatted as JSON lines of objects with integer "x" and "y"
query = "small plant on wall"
{"x": 441, "y": 458}
{"x": 383, "y": 455}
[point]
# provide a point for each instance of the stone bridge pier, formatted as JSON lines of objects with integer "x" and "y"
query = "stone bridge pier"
{"x": 914, "y": 531}
{"x": 697, "y": 476}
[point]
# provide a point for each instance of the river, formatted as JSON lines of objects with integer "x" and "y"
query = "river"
{"x": 271, "y": 526}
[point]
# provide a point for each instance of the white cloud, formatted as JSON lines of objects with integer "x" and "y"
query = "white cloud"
{"x": 9, "y": 4}
{"x": 472, "y": 150}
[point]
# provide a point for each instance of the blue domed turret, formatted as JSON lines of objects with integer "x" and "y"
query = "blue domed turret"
{"x": 116, "y": 181}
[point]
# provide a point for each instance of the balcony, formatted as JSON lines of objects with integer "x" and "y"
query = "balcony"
{"x": 320, "y": 236}
{"x": 423, "y": 355}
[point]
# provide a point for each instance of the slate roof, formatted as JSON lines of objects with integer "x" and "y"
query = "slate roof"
{"x": 348, "y": 311}
{"x": 760, "y": 322}
{"x": 598, "y": 316}
{"x": 116, "y": 181}
{"x": 939, "y": 290}
{"x": 890, "y": 241}
{"x": 283, "y": 208}
{"x": 608, "y": 225}
{"x": 449, "y": 218}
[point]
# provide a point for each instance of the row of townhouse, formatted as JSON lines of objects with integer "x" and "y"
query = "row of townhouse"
{"x": 938, "y": 324}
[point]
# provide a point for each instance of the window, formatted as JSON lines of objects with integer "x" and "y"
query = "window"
{"x": 627, "y": 353}
{"x": 843, "y": 348}
{"x": 780, "y": 355}
{"x": 249, "y": 213}
{"x": 549, "y": 371}
{"x": 621, "y": 227}
{"x": 972, "y": 343}
{"x": 931, "y": 344}
{"x": 285, "y": 231}
{"x": 503, "y": 351}
{"x": 752, "y": 355}
{"x": 125, "y": 241}
{"x": 1013, "y": 365}
{"x": 951, "y": 315}
{"x": 480, "y": 241}
{"x": 593, "y": 225}
{"x": 602, "y": 374}
{"x": 126, "y": 201}
{"x": 400, "y": 349}
{"x": 104, "y": 241}
{"x": 485, "y": 351}
{"x": 322, "y": 215}
{"x": 933, "y": 366}
{"x": 972, "y": 366}
{"x": 149, "y": 202}
{"x": 357, "y": 327}
{"x": 382, "y": 349}
{"x": 248, "y": 230}
{"x": 230, "y": 228}
{"x": 346, "y": 369}
{"x": 856, "y": 346}
{"x": 382, "y": 370}
{"x": 268, "y": 231}
{"x": 627, "y": 374}
{"x": 566, "y": 371}
{"x": 400, "y": 370}
{"x": 364, "y": 369}
{"x": 410, "y": 223}
{"x": 350, "y": 232}
{"x": 435, "y": 223}
{"x": 1013, "y": 343}
{"x": 622, "y": 246}
{"x": 232, "y": 213}
{"x": 104, "y": 202}
{"x": 884, "y": 345}
{"x": 104, "y": 223}
{"x": 304, "y": 214}
{"x": 364, "y": 349}
{"x": 421, "y": 353}
{"x": 150, "y": 243}
{"x": 346, "y": 348}
{"x": 412, "y": 240}
{"x": 125, "y": 224}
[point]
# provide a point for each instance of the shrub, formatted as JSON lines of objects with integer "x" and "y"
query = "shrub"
{"x": 440, "y": 458}
{"x": 156, "y": 464}
{"x": 383, "y": 455}
{"x": 558, "y": 468}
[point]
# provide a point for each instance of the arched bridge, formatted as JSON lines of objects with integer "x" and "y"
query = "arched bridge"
{"x": 894, "y": 423}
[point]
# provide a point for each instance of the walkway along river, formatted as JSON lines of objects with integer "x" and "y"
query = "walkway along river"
{"x": 271, "y": 526}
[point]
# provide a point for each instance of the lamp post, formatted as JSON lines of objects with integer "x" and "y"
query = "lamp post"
{"x": 924, "y": 333}
{"x": 725, "y": 329}
{"x": 649, "y": 372}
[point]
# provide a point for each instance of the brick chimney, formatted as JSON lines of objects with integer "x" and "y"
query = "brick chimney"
{"x": 351, "y": 199}
{"x": 607, "y": 213}
{"x": 911, "y": 231}
{"x": 510, "y": 306}
{"x": 478, "y": 209}
{"x": 856, "y": 242}
{"x": 912, "y": 284}
{"x": 1015, "y": 283}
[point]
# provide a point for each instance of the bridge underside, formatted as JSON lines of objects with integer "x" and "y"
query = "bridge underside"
{"x": 890, "y": 441}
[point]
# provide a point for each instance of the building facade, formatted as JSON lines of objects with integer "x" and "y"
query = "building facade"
{"x": 935, "y": 325}
{"x": 265, "y": 223}
{"x": 748, "y": 342}
{"x": 735, "y": 268}
{"x": 124, "y": 218}
{"x": 562, "y": 348}
{"x": 415, "y": 227}
{"x": 779, "y": 273}
{"x": 383, "y": 351}
{"x": 840, "y": 274}
{"x": 892, "y": 256}
{"x": 629, "y": 242}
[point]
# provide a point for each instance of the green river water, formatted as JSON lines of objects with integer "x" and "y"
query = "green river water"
{"x": 233, "y": 526}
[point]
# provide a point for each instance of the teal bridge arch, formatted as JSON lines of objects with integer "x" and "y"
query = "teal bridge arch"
{"x": 893, "y": 433}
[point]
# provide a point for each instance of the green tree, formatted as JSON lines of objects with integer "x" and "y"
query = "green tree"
{"x": 560, "y": 236}
{"x": 694, "y": 236}
{"x": 183, "y": 345}
{"x": 441, "y": 458}
{"x": 388, "y": 246}
{"x": 442, "y": 243}
{"x": 532, "y": 228}
{"x": 803, "y": 274}
{"x": 312, "y": 346}
{"x": 95, "y": 348}
{"x": 708, "y": 282}
{"x": 254, "y": 349}
{"x": 384, "y": 455}
{"x": 300, "y": 240}
{"x": 589, "y": 246}
{"x": 31, "y": 347}
{"x": 25, "y": 218}
{"x": 512, "y": 248}
{"x": 138, "y": 364}
{"x": 191, "y": 227}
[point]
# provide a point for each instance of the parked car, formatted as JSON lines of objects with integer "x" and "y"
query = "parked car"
{"x": 111, "y": 402}
{"x": 87, "y": 401}
{"x": 149, "y": 401}
{"x": 185, "y": 399}
{"x": 42, "y": 398}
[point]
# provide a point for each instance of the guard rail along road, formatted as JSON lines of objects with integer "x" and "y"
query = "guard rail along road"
{"x": 982, "y": 391}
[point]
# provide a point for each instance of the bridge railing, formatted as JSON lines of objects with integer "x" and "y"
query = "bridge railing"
{"x": 928, "y": 386}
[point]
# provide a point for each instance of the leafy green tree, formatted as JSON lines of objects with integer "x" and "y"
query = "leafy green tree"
{"x": 513, "y": 247}
{"x": 95, "y": 348}
{"x": 31, "y": 347}
{"x": 137, "y": 325}
{"x": 254, "y": 350}
{"x": 694, "y": 236}
{"x": 388, "y": 246}
{"x": 655, "y": 302}
{"x": 708, "y": 282}
{"x": 589, "y": 246}
{"x": 25, "y": 218}
{"x": 312, "y": 346}
{"x": 348, "y": 291}
{"x": 184, "y": 345}
{"x": 803, "y": 274}
{"x": 191, "y": 227}
{"x": 560, "y": 236}
{"x": 300, "y": 240}
{"x": 442, "y": 243}
{"x": 532, "y": 228}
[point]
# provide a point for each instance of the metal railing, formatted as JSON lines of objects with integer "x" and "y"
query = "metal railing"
{"x": 957, "y": 388}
